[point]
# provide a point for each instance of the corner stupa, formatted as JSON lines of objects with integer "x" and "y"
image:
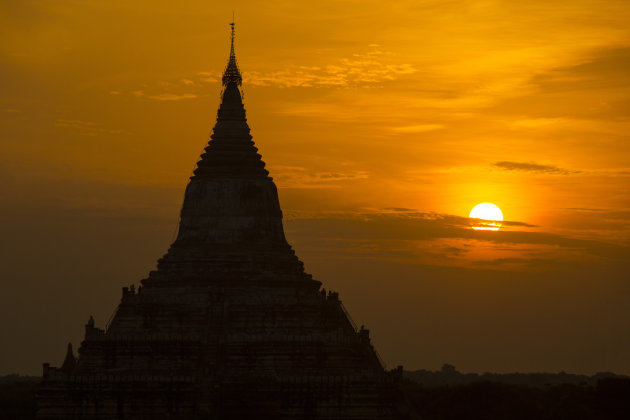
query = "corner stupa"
{"x": 229, "y": 325}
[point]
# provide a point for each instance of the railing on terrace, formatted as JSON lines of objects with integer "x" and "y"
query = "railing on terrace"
{"x": 111, "y": 318}
{"x": 345, "y": 311}
{"x": 354, "y": 325}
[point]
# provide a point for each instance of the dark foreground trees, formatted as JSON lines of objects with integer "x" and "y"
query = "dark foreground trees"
{"x": 608, "y": 400}
{"x": 17, "y": 397}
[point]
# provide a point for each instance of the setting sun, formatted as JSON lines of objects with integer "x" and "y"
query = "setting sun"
{"x": 487, "y": 217}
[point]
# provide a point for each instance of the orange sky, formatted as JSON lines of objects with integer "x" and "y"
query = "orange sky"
{"x": 383, "y": 124}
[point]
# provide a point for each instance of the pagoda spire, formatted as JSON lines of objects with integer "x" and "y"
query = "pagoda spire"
{"x": 232, "y": 74}
{"x": 231, "y": 152}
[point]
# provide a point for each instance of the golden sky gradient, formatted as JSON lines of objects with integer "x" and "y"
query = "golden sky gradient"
{"x": 383, "y": 124}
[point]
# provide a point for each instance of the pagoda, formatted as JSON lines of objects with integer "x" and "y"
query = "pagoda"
{"x": 229, "y": 325}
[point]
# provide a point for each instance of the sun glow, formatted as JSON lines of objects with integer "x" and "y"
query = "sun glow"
{"x": 486, "y": 216}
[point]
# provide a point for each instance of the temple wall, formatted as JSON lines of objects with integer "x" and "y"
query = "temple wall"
{"x": 231, "y": 211}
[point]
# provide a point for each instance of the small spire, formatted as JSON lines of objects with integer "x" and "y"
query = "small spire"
{"x": 232, "y": 74}
{"x": 69, "y": 362}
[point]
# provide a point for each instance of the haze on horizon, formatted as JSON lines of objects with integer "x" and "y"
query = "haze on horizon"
{"x": 383, "y": 125}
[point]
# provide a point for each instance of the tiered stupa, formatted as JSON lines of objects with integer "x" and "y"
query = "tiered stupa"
{"x": 229, "y": 326}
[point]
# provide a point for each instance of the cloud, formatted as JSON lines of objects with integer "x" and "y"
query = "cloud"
{"x": 399, "y": 209}
{"x": 455, "y": 220}
{"x": 86, "y": 128}
{"x": 171, "y": 96}
{"x": 606, "y": 68}
{"x": 420, "y": 128}
{"x": 438, "y": 239}
{"x": 515, "y": 223}
{"x": 537, "y": 122}
{"x": 531, "y": 167}
{"x": 299, "y": 177}
{"x": 608, "y": 213}
{"x": 365, "y": 69}
{"x": 588, "y": 94}
{"x": 612, "y": 172}
{"x": 167, "y": 96}
{"x": 208, "y": 76}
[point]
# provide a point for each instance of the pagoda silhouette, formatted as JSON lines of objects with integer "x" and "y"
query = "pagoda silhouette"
{"x": 229, "y": 326}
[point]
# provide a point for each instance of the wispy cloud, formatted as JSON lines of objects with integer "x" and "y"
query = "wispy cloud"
{"x": 419, "y": 128}
{"x": 365, "y": 69}
{"x": 606, "y": 68}
{"x": 623, "y": 172}
{"x": 166, "y": 96}
{"x": 536, "y": 122}
{"x": 436, "y": 239}
{"x": 172, "y": 96}
{"x": 532, "y": 167}
{"x": 207, "y": 76}
{"x": 359, "y": 70}
{"x": 299, "y": 177}
{"x": 86, "y": 128}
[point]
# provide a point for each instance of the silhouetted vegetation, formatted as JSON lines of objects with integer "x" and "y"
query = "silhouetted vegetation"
{"x": 449, "y": 376}
{"x": 608, "y": 399}
{"x": 448, "y": 394}
{"x": 17, "y": 397}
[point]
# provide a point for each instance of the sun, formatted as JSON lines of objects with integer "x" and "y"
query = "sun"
{"x": 487, "y": 217}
